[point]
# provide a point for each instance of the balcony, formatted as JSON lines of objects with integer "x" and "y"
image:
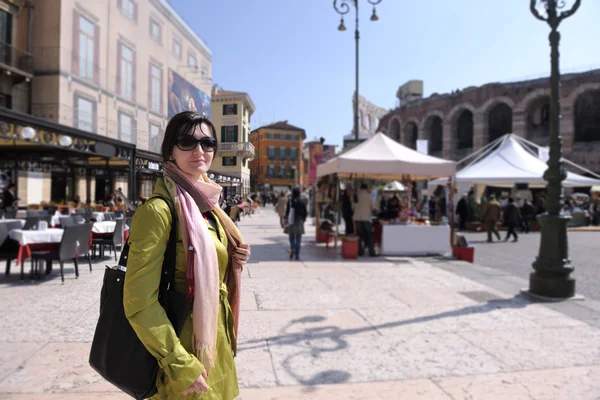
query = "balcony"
{"x": 15, "y": 60}
{"x": 246, "y": 149}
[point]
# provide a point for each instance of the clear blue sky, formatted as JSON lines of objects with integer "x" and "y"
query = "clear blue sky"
{"x": 295, "y": 64}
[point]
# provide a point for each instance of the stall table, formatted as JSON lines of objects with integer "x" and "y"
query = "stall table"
{"x": 412, "y": 240}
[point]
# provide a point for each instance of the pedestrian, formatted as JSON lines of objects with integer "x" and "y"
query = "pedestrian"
{"x": 9, "y": 198}
{"x": 295, "y": 215}
{"x": 527, "y": 212}
{"x": 347, "y": 210}
{"x": 511, "y": 219}
{"x": 462, "y": 210}
{"x": 280, "y": 207}
{"x": 491, "y": 215}
{"x": 363, "y": 216}
{"x": 210, "y": 256}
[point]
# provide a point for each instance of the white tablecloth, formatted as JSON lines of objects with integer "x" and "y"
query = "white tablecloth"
{"x": 6, "y": 221}
{"x": 29, "y": 237}
{"x": 104, "y": 227}
{"x": 407, "y": 240}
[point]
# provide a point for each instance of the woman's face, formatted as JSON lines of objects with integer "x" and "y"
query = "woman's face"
{"x": 197, "y": 161}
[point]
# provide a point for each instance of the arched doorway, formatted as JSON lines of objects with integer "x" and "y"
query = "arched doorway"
{"x": 499, "y": 121}
{"x": 434, "y": 132}
{"x": 587, "y": 117}
{"x": 411, "y": 133}
{"x": 394, "y": 131}
{"x": 538, "y": 121}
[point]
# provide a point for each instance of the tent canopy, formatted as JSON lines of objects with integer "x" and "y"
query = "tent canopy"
{"x": 510, "y": 163}
{"x": 381, "y": 157}
{"x": 394, "y": 186}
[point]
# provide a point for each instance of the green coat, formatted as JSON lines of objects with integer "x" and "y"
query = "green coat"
{"x": 179, "y": 367}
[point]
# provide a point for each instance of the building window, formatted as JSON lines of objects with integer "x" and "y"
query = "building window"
{"x": 155, "y": 139}
{"x": 85, "y": 114}
{"x": 155, "y": 31}
{"x": 204, "y": 72}
{"x": 270, "y": 152}
{"x": 271, "y": 171}
{"x": 126, "y": 128}
{"x": 155, "y": 88}
{"x": 229, "y": 134}
{"x": 126, "y": 76}
{"x": 293, "y": 154}
{"x": 269, "y": 136}
{"x": 276, "y": 136}
{"x": 230, "y": 109}
{"x": 177, "y": 49}
{"x": 129, "y": 8}
{"x": 229, "y": 161}
{"x": 85, "y": 48}
{"x": 192, "y": 62}
{"x": 282, "y": 151}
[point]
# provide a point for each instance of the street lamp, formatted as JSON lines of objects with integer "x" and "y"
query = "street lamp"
{"x": 343, "y": 7}
{"x": 552, "y": 267}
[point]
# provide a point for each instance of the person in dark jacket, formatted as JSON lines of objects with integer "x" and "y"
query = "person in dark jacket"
{"x": 511, "y": 218}
{"x": 295, "y": 228}
{"x": 347, "y": 210}
{"x": 527, "y": 213}
{"x": 462, "y": 210}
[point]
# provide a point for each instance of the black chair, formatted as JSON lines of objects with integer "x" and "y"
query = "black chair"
{"x": 9, "y": 249}
{"x": 87, "y": 214}
{"x": 66, "y": 221}
{"x": 83, "y": 245}
{"x": 112, "y": 241}
{"x": 31, "y": 223}
{"x": 108, "y": 216}
{"x": 51, "y": 210}
{"x": 69, "y": 248}
{"x": 10, "y": 213}
{"x": 118, "y": 214}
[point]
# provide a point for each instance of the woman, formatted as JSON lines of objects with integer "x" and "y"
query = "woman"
{"x": 280, "y": 207}
{"x": 296, "y": 207}
{"x": 210, "y": 253}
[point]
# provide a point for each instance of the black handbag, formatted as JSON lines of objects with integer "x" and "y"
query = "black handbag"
{"x": 117, "y": 353}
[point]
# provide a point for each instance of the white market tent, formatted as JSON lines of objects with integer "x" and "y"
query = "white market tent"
{"x": 382, "y": 158}
{"x": 394, "y": 186}
{"x": 511, "y": 160}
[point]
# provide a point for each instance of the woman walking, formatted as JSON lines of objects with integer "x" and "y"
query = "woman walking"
{"x": 210, "y": 254}
{"x": 280, "y": 207}
{"x": 295, "y": 215}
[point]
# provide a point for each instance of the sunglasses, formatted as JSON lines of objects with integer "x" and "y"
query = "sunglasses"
{"x": 189, "y": 143}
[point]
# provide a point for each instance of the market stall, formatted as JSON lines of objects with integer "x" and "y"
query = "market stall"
{"x": 381, "y": 158}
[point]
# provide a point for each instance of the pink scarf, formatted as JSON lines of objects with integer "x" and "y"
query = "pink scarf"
{"x": 192, "y": 198}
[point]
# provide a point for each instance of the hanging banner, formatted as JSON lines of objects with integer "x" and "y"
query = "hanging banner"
{"x": 183, "y": 96}
{"x": 423, "y": 146}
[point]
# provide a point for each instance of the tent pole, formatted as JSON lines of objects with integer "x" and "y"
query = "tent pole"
{"x": 483, "y": 149}
{"x": 484, "y": 154}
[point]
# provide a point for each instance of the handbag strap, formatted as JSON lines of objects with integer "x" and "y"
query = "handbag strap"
{"x": 167, "y": 276}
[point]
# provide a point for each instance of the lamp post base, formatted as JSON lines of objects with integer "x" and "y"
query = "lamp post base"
{"x": 552, "y": 266}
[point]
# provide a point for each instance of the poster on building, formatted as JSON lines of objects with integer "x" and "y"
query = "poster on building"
{"x": 183, "y": 96}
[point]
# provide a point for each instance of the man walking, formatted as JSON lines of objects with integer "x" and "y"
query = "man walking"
{"x": 527, "y": 212}
{"x": 462, "y": 210}
{"x": 491, "y": 216}
{"x": 363, "y": 210}
{"x": 511, "y": 218}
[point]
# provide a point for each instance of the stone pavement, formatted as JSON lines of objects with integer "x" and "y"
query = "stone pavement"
{"x": 327, "y": 328}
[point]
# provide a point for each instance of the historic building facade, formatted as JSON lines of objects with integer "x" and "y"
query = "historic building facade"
{"x": 458, "y": 123}
{"x": 231, "y": 113}
{"x": 118, "y": 69}
{"x": 278, "y": 164}
{"x": 368, "y": 120}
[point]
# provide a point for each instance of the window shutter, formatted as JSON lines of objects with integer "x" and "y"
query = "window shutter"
{"x": 133, "y": 85}
{"x": 235, "y": 132}
{"x": 150, "y": 87}
{"x": 97, "y": 54}
{"x": 75, "y": 52}
{"x": 119, "y": 67}
{"x": 224, "y": 109}
{"x": 222, "y": 134}
{"x": 235, "y": 109}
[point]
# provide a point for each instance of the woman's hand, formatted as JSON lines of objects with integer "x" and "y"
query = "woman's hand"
{"x": 199, "y": 386}
{"x": 242, "y": 254}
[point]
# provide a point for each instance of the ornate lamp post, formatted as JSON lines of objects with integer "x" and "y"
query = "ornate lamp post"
{"x": 553, "y": 267}
{"x": 343, "y": 7}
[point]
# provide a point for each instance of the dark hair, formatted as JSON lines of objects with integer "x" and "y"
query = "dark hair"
{"x": 511, "y": 200}
{"x": 181, "y": 124}
{"x": 363, "y": 186}
{"x": 11, "y": 186}
{"x": 295, "y": 193}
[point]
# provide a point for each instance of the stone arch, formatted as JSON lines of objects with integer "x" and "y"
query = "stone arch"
{"x": 537, "y": 119}
{"x": 499, "y": 120}
{"x": 575, "y": 93}
{"x": 530, "y": 97}
{"x": 411, "y": 133}
{"x": 395, "y": 129}
{"x": 457, "y": 109}
{"x": 462, "y": 129}
{"x": 586, "y": 116}
{"x": 494, "y": 101}
{"x": 433, "y": 131}
{"x": 427, "y": 116}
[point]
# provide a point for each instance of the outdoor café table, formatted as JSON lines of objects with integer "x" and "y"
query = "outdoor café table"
{"x": 30, "y": 241}
{"x": 104, "y": 227}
